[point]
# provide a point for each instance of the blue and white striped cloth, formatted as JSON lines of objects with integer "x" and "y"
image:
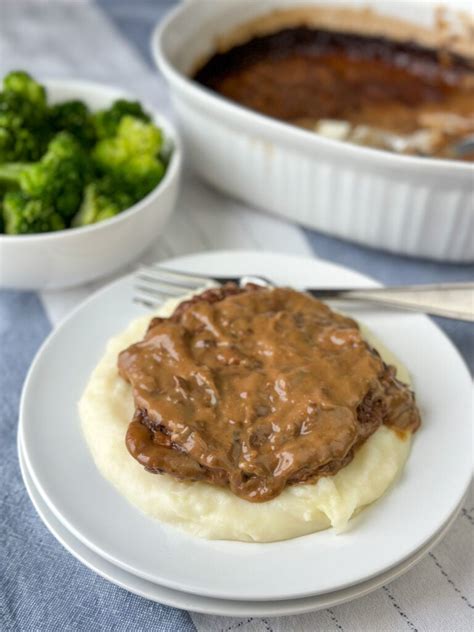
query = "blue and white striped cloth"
{"x": 42, "y": 587}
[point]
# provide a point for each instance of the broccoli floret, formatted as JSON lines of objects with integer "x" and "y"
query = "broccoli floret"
{"x": 103, "y": 199}
{"x": 57, "y": 180}
{"x": 24, "y": 126}
{"x": 139, "y": 137}
{"x": 141, "y": 175}
{"x": 60, "y": 176}
{"x": 24, "y": 131}
{"x": 10, "y": 175}
{"x": 73, "y": 117}
{"x": 134, "y": 137}
{"x": 112, "y": 154}
{"x": 22, "y": 84}
{"x": 132, "y": 156}
{"x": 23, "y": 215}
{"x": 107, "y": 121}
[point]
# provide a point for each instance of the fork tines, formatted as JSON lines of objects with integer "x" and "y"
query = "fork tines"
{"x": 154, "y": 284}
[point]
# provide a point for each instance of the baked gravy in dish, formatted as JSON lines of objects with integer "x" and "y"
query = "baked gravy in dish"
{"x": 364, "y": 88}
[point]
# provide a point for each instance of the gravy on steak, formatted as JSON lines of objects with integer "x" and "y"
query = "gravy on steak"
{"x": 257, "y": 389}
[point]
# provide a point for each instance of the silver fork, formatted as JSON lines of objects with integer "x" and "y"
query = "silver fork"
{"x": 154, "y": 284}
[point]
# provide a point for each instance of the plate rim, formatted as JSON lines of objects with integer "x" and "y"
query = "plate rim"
{"x": 166, "y": 582}
{"x": 290, "y": 607}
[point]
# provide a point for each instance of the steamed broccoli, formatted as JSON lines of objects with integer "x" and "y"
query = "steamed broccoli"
{"x": 61, "y": 165}
{"x": 58, "y": 179}
{"x": 73, "y": 117}
{"x": 21, "y": 83}
{"x": 24, "y": 126}
{"x": 56, "y": 182}
{"x": 103, "y": 199}
{"x": 16, "y": 141}
{"x": 139, "y": 137}
{"x": 10, "y": 175}
{"x": 131, "y": 167}
{"x": 107, "y": 121}
{"x": 132, "y": 156}
{"x": 142, "y": 174}
{"x": 23, "y": 215}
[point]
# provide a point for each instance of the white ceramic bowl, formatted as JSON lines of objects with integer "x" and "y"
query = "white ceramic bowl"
{"x": 76, "y": 255}
{"x": 416, "y": 206}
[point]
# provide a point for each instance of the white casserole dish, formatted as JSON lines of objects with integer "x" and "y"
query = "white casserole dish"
{"x": 416, "y": 206}
{"x": 73, "y": 256}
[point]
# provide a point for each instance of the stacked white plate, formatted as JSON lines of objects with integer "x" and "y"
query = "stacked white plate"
{"x": 87, "y": 515}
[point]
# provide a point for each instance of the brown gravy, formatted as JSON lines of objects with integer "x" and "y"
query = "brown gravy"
{"x": 302, "y": 75}
{"x": 256, "y": 390}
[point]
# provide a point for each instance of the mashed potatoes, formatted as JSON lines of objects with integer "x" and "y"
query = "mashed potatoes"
{"x": 106, "y": 409}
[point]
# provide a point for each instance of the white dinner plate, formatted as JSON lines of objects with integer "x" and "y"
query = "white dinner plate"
{"x": 381, "y": 537}
{"x": 209, "y": 605}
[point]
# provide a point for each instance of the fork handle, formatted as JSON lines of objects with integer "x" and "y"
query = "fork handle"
{"x": 451, "y": 300}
